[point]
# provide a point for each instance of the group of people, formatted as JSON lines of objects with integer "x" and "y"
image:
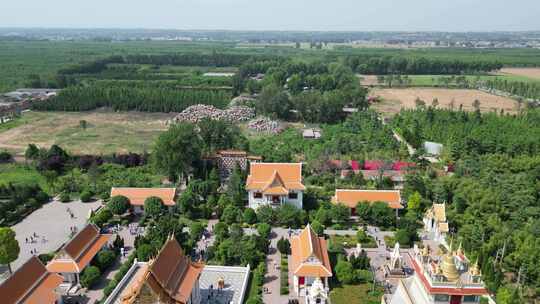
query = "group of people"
{"x": 73, "y": 230}
{"x": 71, "y": 214}
{"x": 34, "y": 239}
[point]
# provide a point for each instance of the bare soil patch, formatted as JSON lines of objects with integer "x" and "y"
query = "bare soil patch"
{"x": 393, "y": 100}
{"x": 527, "y": 72}
{"x": 105, "y": 133}
{"x": 368, "y": 80}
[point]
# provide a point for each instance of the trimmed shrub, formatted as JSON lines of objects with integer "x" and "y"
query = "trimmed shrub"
{"x": 284, "y": 246}
{"x": 264, "y": 230}
{"x": 105, "y": 259}
{"x": 65, "y": 197}
{"x": 86, "y": 196}
{"x": 90, "y": 276}
{"x": 119, "y": 204}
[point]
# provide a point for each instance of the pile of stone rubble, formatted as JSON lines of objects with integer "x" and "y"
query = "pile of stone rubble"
{"x": 199, "y": 112}
{"x": 265, "y": 124}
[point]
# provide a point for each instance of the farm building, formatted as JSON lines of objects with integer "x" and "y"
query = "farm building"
{"x": 311, "y": 133}
{"x": 433, "y": 148}
{"x": 137, "y": 196}
{"x": 275, "y": 184}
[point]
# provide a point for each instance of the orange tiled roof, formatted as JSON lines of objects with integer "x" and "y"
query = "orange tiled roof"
{"x": 171, "y": 276}
{"x": 79, "y": 251}
{"x": 275, "y": 177}
{"x": 30, "y": 284}
{"x": 309, "y": 255}
{"x": 137, "y": 196}
{"x": 351, "y": 198}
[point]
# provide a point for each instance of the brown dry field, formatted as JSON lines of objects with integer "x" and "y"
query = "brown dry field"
{"x": 106, "y": 133}
{"x": 393, "y": 100}
{"x": 368, "y": 80}
{"x": 527, "y": 72}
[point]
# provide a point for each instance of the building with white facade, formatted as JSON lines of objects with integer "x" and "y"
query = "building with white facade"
{"x": 310, "y": 266}
{"x": 275, "y": 184}
{"x": 435, "y": 223}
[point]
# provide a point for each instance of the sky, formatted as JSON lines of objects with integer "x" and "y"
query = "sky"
{"x": 305, "y": 15}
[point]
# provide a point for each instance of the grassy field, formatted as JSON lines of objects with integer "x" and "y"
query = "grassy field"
{"x": 14, "y": 174}
{"x": 393, "y": 100}
{"x": 106, "y": 132}
{"x": 357, "y": 294}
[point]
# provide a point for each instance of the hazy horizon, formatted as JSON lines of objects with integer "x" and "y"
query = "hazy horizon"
{"x": 277, "y": 15}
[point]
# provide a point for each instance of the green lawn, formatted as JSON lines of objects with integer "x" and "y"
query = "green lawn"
{"x": 349, "y": 241}
{"x": 357, "y": 294}
{"x": 12, "y": 173}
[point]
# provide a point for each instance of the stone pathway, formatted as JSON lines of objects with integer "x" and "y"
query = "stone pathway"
{"x": 96, "y": 293}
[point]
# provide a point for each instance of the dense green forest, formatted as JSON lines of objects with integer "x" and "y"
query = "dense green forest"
{"x": 493, "y": 205}
{"x": 133, "y": 95}
{"x": 464, "y": 133}
{"x": 360, "y": 136}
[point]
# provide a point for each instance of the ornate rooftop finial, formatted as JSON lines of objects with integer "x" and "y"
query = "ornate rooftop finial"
{"x": 449, "y": 268}
{"x": 475, "y": 270}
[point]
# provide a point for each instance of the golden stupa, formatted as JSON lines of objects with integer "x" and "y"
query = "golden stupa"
{"x": 449, "y": 268}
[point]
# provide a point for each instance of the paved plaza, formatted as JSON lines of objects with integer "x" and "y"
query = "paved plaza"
{"x": 51, "y": 223}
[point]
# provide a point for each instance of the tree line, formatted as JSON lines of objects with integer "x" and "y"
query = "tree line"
{"x": 127, "y": 95}
{"x": 213, "y": 59}
{"x": 383, "y": 65}
{"x": 519, "y": 88}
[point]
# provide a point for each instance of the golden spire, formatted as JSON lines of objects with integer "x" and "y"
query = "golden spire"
{"x": 475, "y": 271}
{"x": 425, "y": 250}
{"x": 460, "y": 250}
{"x": 449, "y": 268}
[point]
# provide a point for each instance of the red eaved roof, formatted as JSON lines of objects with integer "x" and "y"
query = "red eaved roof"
{"x": 373, "y": 164}
{"x": 355, "y": 165}
{"x": 399, "y": 166}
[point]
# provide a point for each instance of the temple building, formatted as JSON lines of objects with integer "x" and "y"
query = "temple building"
{"x": 310, "y": 266}
{"x": 137, "y": 196}
{"x": 351, "y": 198}
{"x": 439, "y": 279}
{"x": 275, "y": 184}
{"x": 227, "y": 160}
{"x": 31, "y": 284}
{"x": 73, "y": 258}
{"x": 435, "y": 223}
{"x": 170, "y": 278}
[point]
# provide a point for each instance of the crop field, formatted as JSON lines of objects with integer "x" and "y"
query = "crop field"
{"x": 533, "y": 73}
{"x": 393, "y": 100}
{"x": 105, "y": 133}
